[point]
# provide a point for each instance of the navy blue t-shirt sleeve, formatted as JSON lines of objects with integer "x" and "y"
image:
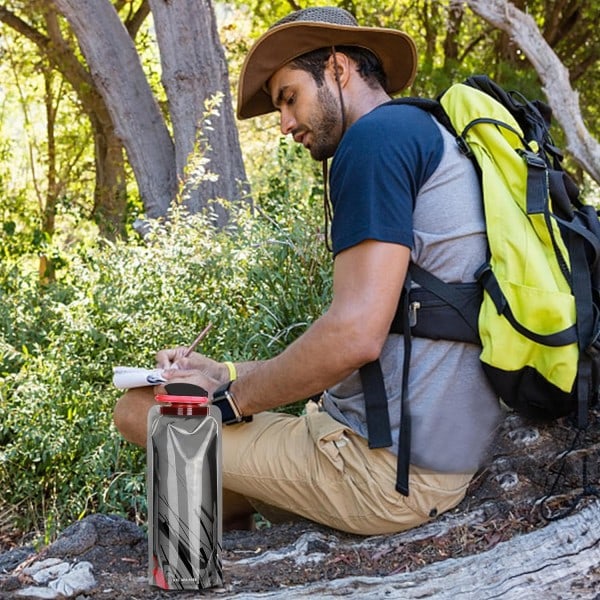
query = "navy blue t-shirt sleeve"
{"x": 380, "y": 165}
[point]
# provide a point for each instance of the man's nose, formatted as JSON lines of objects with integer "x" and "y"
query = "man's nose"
{"x": 287, "y": 122}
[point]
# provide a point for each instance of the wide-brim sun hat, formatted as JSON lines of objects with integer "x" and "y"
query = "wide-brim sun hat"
{"x": 313, "y": 28}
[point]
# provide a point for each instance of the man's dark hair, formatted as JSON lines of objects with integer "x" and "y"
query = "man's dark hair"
{"x": 368, "y": 65}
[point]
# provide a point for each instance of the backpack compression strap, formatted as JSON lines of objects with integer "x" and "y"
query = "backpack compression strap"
{"x": 585, "y": 235}
{"x": 376, "y": 405}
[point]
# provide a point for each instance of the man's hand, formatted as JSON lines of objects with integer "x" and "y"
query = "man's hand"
{"x": 173, "y": 359}
{"x": 195, "y": 377}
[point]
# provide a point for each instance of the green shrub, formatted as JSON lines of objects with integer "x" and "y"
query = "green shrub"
{"x": 260, "y": 283}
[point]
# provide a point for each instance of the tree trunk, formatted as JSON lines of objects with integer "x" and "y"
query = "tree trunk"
{"x": 561, "y": 17}
{"x": 554, "y": 76}
{"x": 193, "y": 71}
{"x": 46, "y": 267}
{"x": 429, "y": 18}
{"x": 117, "y": 73}
{"x": 454, "y": 20}
{"x": 110, "y": 193}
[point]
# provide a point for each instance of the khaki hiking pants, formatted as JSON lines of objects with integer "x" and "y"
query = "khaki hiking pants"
{"x": 318, "y": 468}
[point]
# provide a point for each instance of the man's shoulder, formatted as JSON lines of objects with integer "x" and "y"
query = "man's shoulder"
{"x": 400, "y": 122}
{"x": 405, "y": 114}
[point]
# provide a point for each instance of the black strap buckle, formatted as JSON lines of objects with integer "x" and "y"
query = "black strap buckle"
{"x": 463, "y": 146}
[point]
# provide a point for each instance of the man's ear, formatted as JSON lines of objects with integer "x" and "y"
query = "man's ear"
{"x": 339, "y": 63}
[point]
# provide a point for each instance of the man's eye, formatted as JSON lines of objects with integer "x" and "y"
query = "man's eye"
{"x": 290, "y": 100}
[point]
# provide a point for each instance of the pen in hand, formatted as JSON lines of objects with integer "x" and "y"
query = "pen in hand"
{"x": 189, "y": 349}
{"x": 200, "y": 337}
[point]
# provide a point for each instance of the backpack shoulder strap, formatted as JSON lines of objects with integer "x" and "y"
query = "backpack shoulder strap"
{"x": 431, "y": 106}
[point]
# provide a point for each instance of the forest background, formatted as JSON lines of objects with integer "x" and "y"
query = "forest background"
{"x": 135, "y": 208}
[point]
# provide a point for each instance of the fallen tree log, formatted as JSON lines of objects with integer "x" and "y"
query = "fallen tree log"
{"x": 560, "y": 561}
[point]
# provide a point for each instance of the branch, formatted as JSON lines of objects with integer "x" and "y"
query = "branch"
{"x": 9, "y": 18}
{"x": 554, "y": 76}
{"x": 135, "y": 20}
{"x": 54, "y": 48}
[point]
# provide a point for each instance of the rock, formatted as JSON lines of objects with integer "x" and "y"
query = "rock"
{"x": 63, "y": 580}
{"x": 108, "y": 542}
{"x": 13, "y": 558}
{"x": 96, "y": 531}
{"x": 75, "y": 581}
{"x": 75, "y": 539}
{"x": 45, "y": 570}
{"x": 65, "y": 569}
{"x": 37, "y": 592}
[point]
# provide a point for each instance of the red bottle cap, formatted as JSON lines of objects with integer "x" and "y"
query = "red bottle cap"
{"x": 181, "y": 399}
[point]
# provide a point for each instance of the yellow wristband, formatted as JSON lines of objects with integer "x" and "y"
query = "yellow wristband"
{"x": 232, "y": 370}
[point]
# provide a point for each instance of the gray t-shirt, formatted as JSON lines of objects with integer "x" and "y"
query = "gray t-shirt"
{"x": 453, "y": 409}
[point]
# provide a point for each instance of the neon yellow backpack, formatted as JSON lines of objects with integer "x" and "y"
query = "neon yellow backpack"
{"x": 536, "y": 304}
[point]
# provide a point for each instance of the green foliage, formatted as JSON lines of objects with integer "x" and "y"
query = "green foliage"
{"x": 260, "y": 283}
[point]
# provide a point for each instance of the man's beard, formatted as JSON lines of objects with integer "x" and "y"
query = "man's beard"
{"x": 324, "y": 142}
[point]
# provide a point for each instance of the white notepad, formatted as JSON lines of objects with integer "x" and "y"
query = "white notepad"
{"x": 132, "y": 377}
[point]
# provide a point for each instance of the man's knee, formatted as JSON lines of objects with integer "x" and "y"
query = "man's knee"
{"x": 121, "y": 414}
{"x": 130, "y": 415}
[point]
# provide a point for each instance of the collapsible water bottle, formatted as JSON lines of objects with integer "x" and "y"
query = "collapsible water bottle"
{"x": 184, "y": 492}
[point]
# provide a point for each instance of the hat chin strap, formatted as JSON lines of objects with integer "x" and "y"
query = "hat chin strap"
{"x": 327, "y": 208}
{"x": 339, "y": 86}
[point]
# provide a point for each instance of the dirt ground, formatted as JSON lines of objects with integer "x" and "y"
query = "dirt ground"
{"x": 522, "y": 468}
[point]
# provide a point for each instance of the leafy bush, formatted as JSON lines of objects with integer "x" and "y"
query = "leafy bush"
{"x": 260, "y": 283}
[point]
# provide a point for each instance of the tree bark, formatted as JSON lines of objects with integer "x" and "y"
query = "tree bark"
{"x": 117, "y": 73}
{"x": 454, "y": 20}
{"x": 559, "y": 561}
{"x": 110, "y": 193}
{"x": 194, "y": 69}
{"x": 554, "y": 76}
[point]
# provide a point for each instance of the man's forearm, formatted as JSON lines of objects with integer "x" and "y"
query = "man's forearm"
{"x": 314, "y": 362}
{"x": 367, "y": 283}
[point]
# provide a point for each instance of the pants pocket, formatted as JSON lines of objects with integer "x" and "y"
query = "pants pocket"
{"x": 328, "y": 436}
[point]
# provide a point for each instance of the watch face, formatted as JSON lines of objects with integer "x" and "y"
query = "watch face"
{"x": 227, "y": 413}
{"x": 224, "y": 400}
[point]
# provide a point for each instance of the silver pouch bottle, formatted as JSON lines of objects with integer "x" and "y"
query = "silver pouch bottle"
{"x": 184, "y": 493}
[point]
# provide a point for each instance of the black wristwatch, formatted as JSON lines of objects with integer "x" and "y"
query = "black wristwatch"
{"x": 224, "y": 400}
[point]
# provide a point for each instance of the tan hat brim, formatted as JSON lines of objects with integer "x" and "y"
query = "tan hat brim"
{"x": 280, "y": 45}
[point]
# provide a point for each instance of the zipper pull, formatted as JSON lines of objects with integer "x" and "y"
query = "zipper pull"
{"x": 413, "y": 307}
